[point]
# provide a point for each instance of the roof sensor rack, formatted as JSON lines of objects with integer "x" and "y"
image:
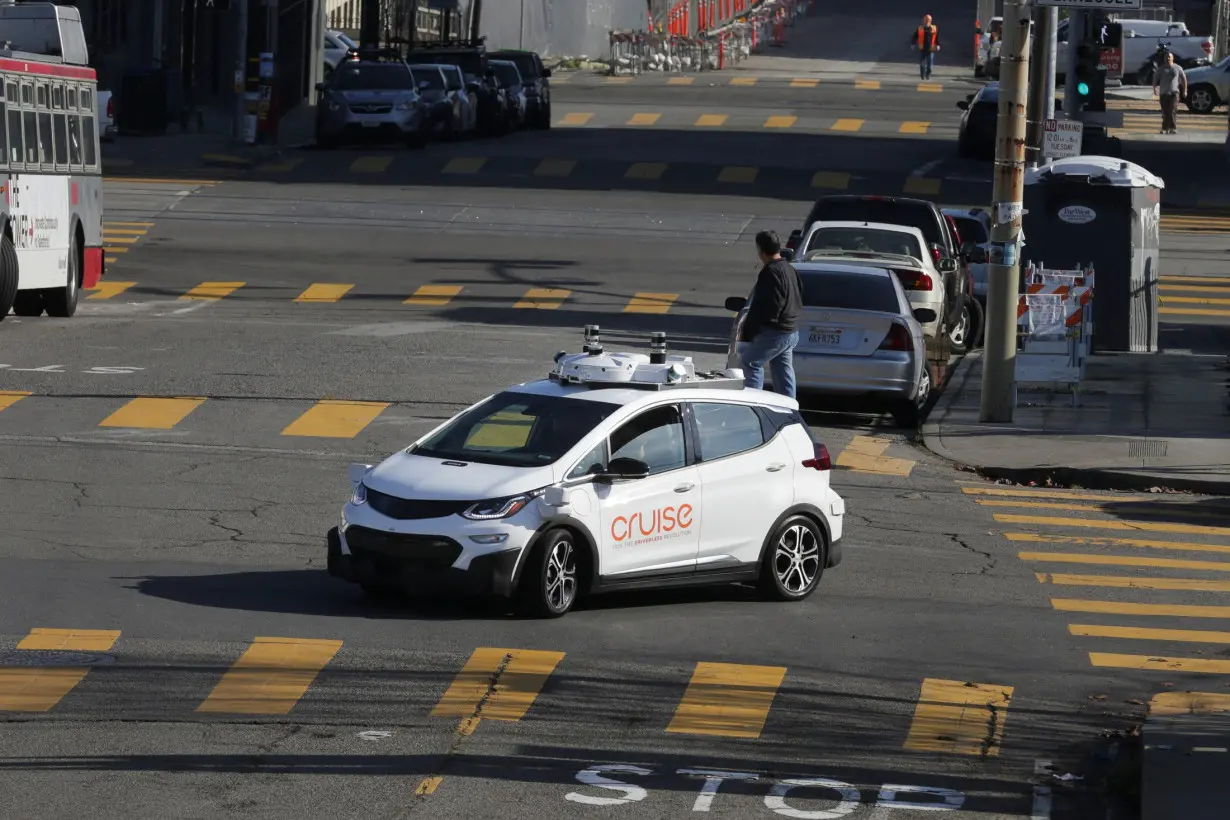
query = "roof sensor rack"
{"x": 595, "y": 368}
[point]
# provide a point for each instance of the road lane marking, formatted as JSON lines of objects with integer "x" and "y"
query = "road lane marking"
{"x": 10, "y": 397}
{"x": 270, "y": 677}
{"x": 835, "y": 180}
{"x": 867, "y": 85}
{"x": 109, "y": 224}
{"x": 780, "y": 122}
{"x": 543, "y": 298}
{"x": 108, "y": 289}
{"x": 152, "y": 181}
{"x": 110, "y": 249}
{"x": 148, "y": 413}
{"x": 1076, "y": 496}
{"x": 464, "y": 165}
{"x": 1185, "y": 546}
{"x": 1150, "y": 610}
{"x": 644, "y": 119}
{"x": 921, "y": 185}
{"x": 651, "y": 303}
{"x": 727, "y": 700}
{"x": 39, "y": 689}
{"x": 1192, "y": 312}
{"x": 117, "y": 232}
{"x": 1189, "y": 703}
{"x": 959, "y": 717}
{"x": 281, "y": 167}
{"x": 110, "y": 260}
{"x": 428, "y": 785}
{"x": 1110, "y": 507}
{"x": 847, "y": 125}
{"x": 1143, "y": 634}
{"x": 576, "y": 119}
{"x": 211, "y": 291}
{"x": 1142, "y": 526}
{"x": 804, "y": 82}
{"x": 1130, "y": 582}
{"x": 321, "y": 292}
{"x": 914, "y": 127}
{"x": 930, "y": 88}
{"x": 865, "y": 454}
{"x": 1154, "y": 663}
{"x": 1123, "y": 561}
{"x": 335, "y": 419}
{"x": 497, "y": 684}
{"x": 645, "y": 170}
{"x": 370, "y": 165}
{"x": 1197, "y": 280}
{"x": 122, "y": 240}
{"x": 1194, "y": 288}
{"x": 743, "y": 80}
{"x": 681, "y": 81}
{"x": 617, "y": 80}
{"x": 1194, "y": 300}
{"x": 555, "y": 167}
{"x": 710, "y": 120}
{"x": 433, "y": 295}
{"x": 740, "y": 175}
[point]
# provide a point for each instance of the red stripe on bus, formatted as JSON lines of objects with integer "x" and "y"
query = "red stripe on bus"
{"x": 70, "y": 71}
{"x": 93, "y": 267}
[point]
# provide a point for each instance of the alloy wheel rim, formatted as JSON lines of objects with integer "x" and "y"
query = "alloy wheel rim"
{"x": 924, "y": 386}
{"x": 561, "y": 576}
{"x": 797, "y": 559}
{"x": 957, "y": 336}
{"x": 1200, "y": 101}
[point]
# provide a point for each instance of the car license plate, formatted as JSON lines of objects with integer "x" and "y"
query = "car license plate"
{"x": 371, "y": 125}
{"x": 824, "y": 336}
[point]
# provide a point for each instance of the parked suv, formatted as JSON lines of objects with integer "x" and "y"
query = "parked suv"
{"x": 472, "y": 58}
{"x": 535, "y": 77}
{"x": 366, "y": 99}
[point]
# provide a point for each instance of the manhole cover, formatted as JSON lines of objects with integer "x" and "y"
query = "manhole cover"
{"x": 53, "y": 658}
{"x": 1144, "y": 448}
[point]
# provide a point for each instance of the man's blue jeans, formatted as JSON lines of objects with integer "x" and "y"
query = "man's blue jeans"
{"x": 926, "y": 62}
{"x": 775, "y": 349}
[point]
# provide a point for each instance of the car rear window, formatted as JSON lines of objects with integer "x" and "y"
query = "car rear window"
{"x": 377, "y": 77}
{"x": 868, "y": 240}
{"x": 849, "y": 291}
{"x": 880, "y": 210}
{"x": 972, "y": 232}
{"x": 525, "y": 63}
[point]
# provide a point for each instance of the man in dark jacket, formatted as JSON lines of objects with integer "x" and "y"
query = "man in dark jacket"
{"x": 771, "y": 327}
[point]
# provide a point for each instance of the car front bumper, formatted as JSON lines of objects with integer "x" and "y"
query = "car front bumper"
{"x": 380, "y": 126}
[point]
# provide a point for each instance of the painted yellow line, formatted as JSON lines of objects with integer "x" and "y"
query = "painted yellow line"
{"x": 281, "y": 167}
{"x": 108, "y": 290}
{"x": 1189, "y": 703}
{"x": 555, "y": 167}
{"x": 1141, "y": 526}
{"x": 958, "y": 717}
{"x": 518, "y": 676}
{"x": 864, "y": 454}
{"x": 576, "y": 119}
{"x": 644, "y": 119}
{"x": 780, "y": 122}
{"x": 743, "y": 80}
{"x": 212, "y": 291}
{"x": 650, "y": 303}
{"x": 835, "y": 180}
{"x": 914, "y": 127}
{"x": 1184, "y": 546}
{"x": 10, "y": 397}
{"x": 39, "y": 689}
{"x": 109, "y": 231}
{"x": 1141, "y": 634}
{"x": 1195, "y": 300}
{"x": 1124, "y": 608}
{"x": 336, "y": 419}
{"x": 1012, "y": 491}
{"x": 428, "y": 785}
{"x": 464, "y": 165}
{"x": 931, "y": 88}
{"x": 321, "y": 292}
{"x": 727, "y": 700}
{"x": 1121, "y": 582}
{"x": 433, "y": 295}
{"x": 123, "y": 240}
{"x": 867, "y": 85}
{"x": 740, "y": 175}
{"x": 543, "y": 298}
{"x": 804, "y": 82}
{"x": 370, "y": 165}
{"x": 110, "y": 259}
{"x": 1141, "y": 508}
{"x": 113, "y": 249}
{"x": 1192, "y": 312}
{"x": 681, "y": 81}
{"x": 1193, "y": 289}
{"x": 270, "y": 677}
{"x": 1153, "y": 663}
{"x": 847, "y": 125}
{"x": 645, "y": 170}
{"x": 1123, "y": 561}
{"x": 1197, "y": 280}
{"x": 617, "y": 80}
{"x": 710, "y": 120}
{"x": 921, "y": 185}
{"x": 110, "y": 224}
{"x": 152, "y": 413}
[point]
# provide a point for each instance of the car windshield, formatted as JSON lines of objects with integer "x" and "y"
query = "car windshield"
{"x": 524, "y": 62}
{"x": 507, "y": 73}
{"x": 470, "y": 62}
{"x": 431, "y": 76}
{"x": 849, "y": 291}
{"x": 867, "y": 240}
{"x": 516, "y": 430}
{"x": 372, "y": 77}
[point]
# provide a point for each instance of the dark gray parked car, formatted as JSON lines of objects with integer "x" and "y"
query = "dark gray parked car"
{"x": 371, "y": 100}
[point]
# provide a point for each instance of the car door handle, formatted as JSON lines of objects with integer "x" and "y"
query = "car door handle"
{"x": 683, "y": 488}
{"x": 773, "y": 468}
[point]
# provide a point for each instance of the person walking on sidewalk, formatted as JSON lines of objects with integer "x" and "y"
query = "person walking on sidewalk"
{"x": 771, "y": 326}
{"x": 1170, "y": 86}
{"x": 927, "y": 40}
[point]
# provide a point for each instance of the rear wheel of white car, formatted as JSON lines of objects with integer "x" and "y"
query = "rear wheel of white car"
{"x": 959, "y": 333}
{"x": 1202, "y": 99}
{"x": 909, "y": 411}
{"x": 795, "y": 560}
{"x": 552, "y": 575}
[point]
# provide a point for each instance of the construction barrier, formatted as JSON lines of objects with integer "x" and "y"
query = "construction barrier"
{"x": 1055, "y": 327}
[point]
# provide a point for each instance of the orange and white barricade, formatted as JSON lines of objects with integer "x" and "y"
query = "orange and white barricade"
{"x": 1054, "y": 330}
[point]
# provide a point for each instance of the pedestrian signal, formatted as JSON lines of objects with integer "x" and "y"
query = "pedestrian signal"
{"x": 1090, "y": 78}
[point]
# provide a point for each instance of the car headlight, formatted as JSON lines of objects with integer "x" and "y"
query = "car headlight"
{"x": 409, "y": 105}
{"x": 496, "y": 508}
{"x": 360, "y": 494}
{"x": 333, "y": 106}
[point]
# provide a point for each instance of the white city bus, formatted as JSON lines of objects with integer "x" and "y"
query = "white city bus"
{"x": 50, "y": 164}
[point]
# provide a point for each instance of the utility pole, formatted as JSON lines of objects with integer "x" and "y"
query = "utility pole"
{"x": 1041, "y": 78}
{"x": 999, "y": 357}
{"x": 241, "y": 69}
{"x": 369, "y": 24}
{"x": 476, "y": 19}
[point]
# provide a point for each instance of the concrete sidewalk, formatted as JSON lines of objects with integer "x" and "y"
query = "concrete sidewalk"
{"x": 1144, "y": 421}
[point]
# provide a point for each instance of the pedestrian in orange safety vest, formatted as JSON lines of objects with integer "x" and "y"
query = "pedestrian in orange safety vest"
{"x": 927, "y": 40}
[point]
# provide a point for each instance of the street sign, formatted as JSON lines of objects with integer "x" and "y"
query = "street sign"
{"x": 1062, "y": 138}
{"x": 1105, "y": 5}
{"x": 1111, "y": 61}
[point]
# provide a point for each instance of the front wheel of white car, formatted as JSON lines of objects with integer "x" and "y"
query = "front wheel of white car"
{"x": 552, "y": 575}
{"x": 795, "y": 560}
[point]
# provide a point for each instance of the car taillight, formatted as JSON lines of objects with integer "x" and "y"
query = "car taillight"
{"x": 914, "y": 280}
{"x": 820, "y": 458}
{"x": 1207, "y": 45}
{"x": 111, "y": 107}
{"x": 935, "y": 255}
{"x": 898, "y": 338}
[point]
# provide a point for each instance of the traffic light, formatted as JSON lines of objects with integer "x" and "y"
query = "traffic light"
{"x": 1090, "y": 78}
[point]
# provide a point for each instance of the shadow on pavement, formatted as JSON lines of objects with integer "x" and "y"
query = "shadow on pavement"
{"x": 1207, "y": 512}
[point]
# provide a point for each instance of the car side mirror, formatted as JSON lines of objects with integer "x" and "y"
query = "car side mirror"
{"x": 736, "y": 303}
{"x": 963, "y": 105}
{"x": 787, "y": 254}
{"x": 623, "y": 469}
{"x": 977, "y": 256}
{"x": 948, "y": 266}
{"x": 546, "y": 72}
{"x": 924, "y": 315}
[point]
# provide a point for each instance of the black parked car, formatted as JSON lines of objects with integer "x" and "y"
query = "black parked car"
{"x": 536, "y": 80}
{"x": 976, "y": 137}
{"x": 471, "y": 57}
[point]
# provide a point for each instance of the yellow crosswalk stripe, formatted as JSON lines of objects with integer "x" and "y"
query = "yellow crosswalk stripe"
{"x": 617, "y": 80}
{"x": 39, "y": 689}
{"x": 109, "y": 289}
{"x": 543, "y": 298}
{"x": 497, "y": 684}
{"x": 1154, "y": 508}
{"x": 1014, "y": 491}
{"x": 148, "y": 413}
{"x": 804, "y": 82}
{"x": 464, "y": 165}
{"x": 1127, "y": 608}
{"x": 10, "y": 397}
{"x": 114, "y": 249}
{"x": 835, "y": 180}
{"x": 1193, "y": 300}
{"x": 1185, "y": 546}
{"x": 651, "y": 303}
{"x": 1123, "y": 561}
{"x": 433, "y": 295}
{"x": 110, "y": 224}
{"x": 780, "y": 122}
{"x": 1133, "y": 582}
{"x": 922, "y": 185}
{"x": 867, "y": 85}
{"x": 321, "y": 292}
{"x": 847, "y": 125}
{"x": 270, "y": 677}
{"x": 1197, "y": 280}
{"x": 681, "y": 81}
{"x": 914, "y": 127}
{"x": 644, "y": 119}
{"x": 865, "y": 454}
{"x": 555, "y": 167}
{"x": 212, "y": 291}
{"x": 110, "y": 259}
{"x": 281, "y": 167}
{"x": 1189, "y": 703}
{"x": 1192, "y": 312}
{"x": 727, "y": 700}
{"x": 576, "y": 118}
{"x": 741, "y": 175}
{"x": 743, "y": 80}
{"x": 1089, "y": 523}
{"x": 932, "y": 88}
{"x": 1193, "y": 289}
{"x": 371, "y": 165}
{"x": 710, "y": 120}
{"x": 645, "y": 170}
{"x": 1141, "y": 634}
{"x": 1154, "y": 663}
{"x": 109, "y": 231}
{"x": 123, "y": 240}
{"x": 335, "y": 419}
{"x": 958, "y": 717}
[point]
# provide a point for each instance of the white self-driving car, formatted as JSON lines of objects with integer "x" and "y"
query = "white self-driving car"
{"x": 618, "y": 471}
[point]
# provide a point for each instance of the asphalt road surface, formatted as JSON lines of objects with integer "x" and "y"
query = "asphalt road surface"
{"x": 170, "y": 645}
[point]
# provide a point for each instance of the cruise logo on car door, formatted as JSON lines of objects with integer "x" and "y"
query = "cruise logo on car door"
{"x": 658, "y": 525}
